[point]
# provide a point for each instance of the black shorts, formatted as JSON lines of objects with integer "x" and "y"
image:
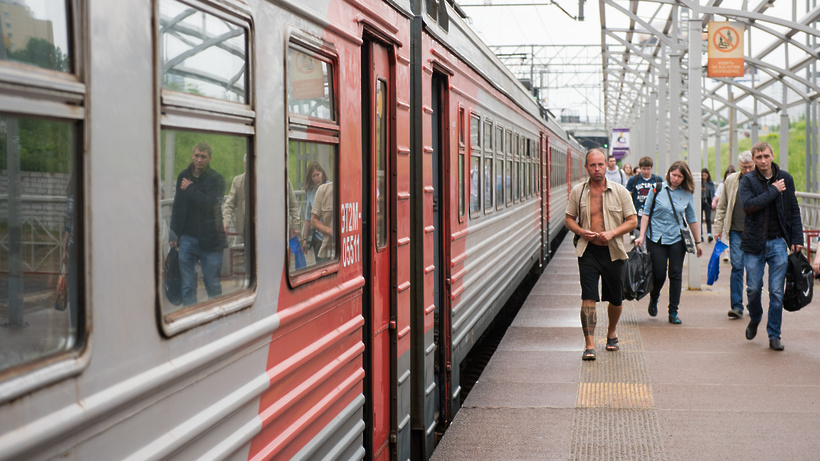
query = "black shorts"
{"x": 596, "y": 262}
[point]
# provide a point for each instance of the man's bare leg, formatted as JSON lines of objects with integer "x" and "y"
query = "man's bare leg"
{"x": 588, "y": 321}
{"x": 614, "y": 313}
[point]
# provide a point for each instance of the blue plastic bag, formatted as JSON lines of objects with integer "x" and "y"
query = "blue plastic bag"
{"x": 298, "y": 254}
{"x": 714, "y": 262}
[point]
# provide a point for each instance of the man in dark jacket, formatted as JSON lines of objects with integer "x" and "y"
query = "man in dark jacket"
{"x": 196, "y": 219}
{"x": 772, "y": 224}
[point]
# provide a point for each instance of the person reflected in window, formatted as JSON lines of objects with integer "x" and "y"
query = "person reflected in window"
{"x": 234, "y": 209}
{"x": 321, "y": 219}
{"x": 314, "y": 177}
{"x": 196, "y": 219}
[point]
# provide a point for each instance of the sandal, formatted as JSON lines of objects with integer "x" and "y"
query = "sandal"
{"x": 589, "y": 354}
{"x": 612, "y": 344}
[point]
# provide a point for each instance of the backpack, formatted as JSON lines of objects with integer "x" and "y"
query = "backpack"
{"x": 799, "y": 283}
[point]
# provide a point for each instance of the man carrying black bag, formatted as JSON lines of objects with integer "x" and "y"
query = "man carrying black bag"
{"x": 606, "y": 214}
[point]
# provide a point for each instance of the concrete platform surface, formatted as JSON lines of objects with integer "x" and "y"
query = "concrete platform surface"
{"x": 695, "y": 391}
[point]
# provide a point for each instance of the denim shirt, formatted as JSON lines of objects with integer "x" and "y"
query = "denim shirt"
{"x": 665, "y": 230}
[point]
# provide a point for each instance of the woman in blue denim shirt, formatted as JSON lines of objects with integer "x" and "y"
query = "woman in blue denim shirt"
{"x": 665, "y": 244}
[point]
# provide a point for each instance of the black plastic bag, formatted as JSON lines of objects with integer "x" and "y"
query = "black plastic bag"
{"x": 799, "y": 283}
{"x": 172, "y": 278}
{"x": 637, "y": 275}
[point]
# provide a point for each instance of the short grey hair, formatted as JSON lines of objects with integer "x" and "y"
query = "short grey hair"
{"x": 744, "y": 157}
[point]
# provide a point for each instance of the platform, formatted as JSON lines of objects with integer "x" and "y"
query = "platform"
{"x": 695, "y": 391}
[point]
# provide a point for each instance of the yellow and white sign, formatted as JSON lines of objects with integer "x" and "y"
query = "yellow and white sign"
{"x": 725, "y": 49}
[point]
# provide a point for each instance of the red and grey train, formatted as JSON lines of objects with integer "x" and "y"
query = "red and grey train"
{"x": 387, "y": 186}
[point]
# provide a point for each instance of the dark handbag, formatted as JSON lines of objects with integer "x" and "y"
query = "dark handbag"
{"x": 684, "y": 232}
{"x": 799, "y": 283}
{"x": 172, "y": 279}
{"x": 637, "y": 274}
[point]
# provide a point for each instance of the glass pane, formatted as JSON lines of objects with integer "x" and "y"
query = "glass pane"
{"x": 40, "y": 246}
{"x": 461, "y": 185}
{"x": 499, "y": 139}
{"x": 509, "y": 146}
{"x": 488, "y": 182}
{"x": 202, "y": 53}
{"x": 475, "y": 204}
{"x": 461, "y": 126}
{"x": 310, "y": 90}
{"x": 475, "y": 125}
{"x": 516, "y": 191}
{"x": 508, "y": 181}
{"x": 381, "y": 164}
{"x": 499, "y": 183}
{"x": 204, "y": 217}
{"x": 312, "y": 223}
{"x": 488, "y": 135}
{"x": 36, "y": 33}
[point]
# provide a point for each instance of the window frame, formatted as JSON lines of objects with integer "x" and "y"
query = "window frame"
{"x": 29, "y": 91}
{"x": 317, "y": 131}
{"x": 487, "y": 151}
{"x": 461, "y": 166}
{"x": 475, "y": 155}
{"x": 186, "y": 112}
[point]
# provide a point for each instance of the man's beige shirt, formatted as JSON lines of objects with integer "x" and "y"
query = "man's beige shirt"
{"x": 726, "y": 204}
{"x": 618, "y": 206}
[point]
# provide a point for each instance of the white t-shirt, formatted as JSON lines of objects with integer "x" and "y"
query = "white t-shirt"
{"x": 617, "y": 175}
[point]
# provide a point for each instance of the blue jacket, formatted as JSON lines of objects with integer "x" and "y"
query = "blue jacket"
{"x": 756, "y": 193}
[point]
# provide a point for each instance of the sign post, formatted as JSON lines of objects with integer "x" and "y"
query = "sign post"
{"x": 725, "y": 49}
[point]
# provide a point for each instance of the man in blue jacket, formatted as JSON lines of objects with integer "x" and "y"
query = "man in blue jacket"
{"x": 772, "y": 224}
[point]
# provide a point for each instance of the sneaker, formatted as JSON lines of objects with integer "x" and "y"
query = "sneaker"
{"x": 710, "y": 238}
{"x": 735, "y": 313}
{"x": 673, "y": 318}
{"x": 776, "y": 345}
{"x": 653, "y": 307}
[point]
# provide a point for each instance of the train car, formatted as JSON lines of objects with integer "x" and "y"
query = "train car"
{"x": 254, "y": 229}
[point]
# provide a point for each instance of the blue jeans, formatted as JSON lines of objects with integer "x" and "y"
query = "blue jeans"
{"x": 775, "y": 254}
{"x": 737, "y": 270}
{"x": 211, "y": 261}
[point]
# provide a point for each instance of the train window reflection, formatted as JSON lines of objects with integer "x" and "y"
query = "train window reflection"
{"x": 475, "y": 204}
{"x": 310, "y": 91}
{"x": 381, "y": 164}
{"x": 204, "y": 217}
{"x": 36, "y": 34}
{"x": 499, "y": 184}
{"x": 201, "y": 53}
{"x": 312, "y": 207}
{"x": 40, "y": 248}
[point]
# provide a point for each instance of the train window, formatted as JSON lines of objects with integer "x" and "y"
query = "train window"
{"x": 475, "y": 134}
{"x": 203, "y": 217}
{"x": 475, "y": 164}
{"x": 509, "y": 143}
{"x": 42, "y": 241}
{"x": 312, "y": 223}
{"x": 508, "y": 181}
{"x": 488, "y": 166}
{"x": 475, "y": 187}
{"x": 201, "y": 53}
{"x": 41, "y": 41}
{"x": 381, "y": 164}
{"x": 460, "y": 122}
{"x": 310, "y": 88}
{"x": 515, "y": 170}
{"x": 499, "y": 139}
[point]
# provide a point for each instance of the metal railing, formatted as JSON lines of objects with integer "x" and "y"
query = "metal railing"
{"x": 809, "y": 209}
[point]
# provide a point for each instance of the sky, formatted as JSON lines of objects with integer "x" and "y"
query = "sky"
{"x": 547, "y": 25}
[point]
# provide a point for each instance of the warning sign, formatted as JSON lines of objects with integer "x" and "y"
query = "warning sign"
{"x": 725, "y": 49}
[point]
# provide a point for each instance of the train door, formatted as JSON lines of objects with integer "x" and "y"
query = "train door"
{"x": 380, "y": 340}
{"x": 441, "y": 209}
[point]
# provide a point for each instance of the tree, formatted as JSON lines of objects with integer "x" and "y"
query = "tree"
{"x": 41, "y": 53}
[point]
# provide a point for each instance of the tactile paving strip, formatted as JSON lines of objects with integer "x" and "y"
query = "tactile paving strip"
{"x": 615, "y": 417}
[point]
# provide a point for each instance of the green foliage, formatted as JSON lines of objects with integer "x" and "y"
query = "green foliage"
{"x": 797, "y": 150}
{"x": 40, "y": 53}
{"x": 45, "y": 146}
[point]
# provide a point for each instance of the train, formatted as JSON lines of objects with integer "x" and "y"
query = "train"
{"x": 258, "y": 229}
